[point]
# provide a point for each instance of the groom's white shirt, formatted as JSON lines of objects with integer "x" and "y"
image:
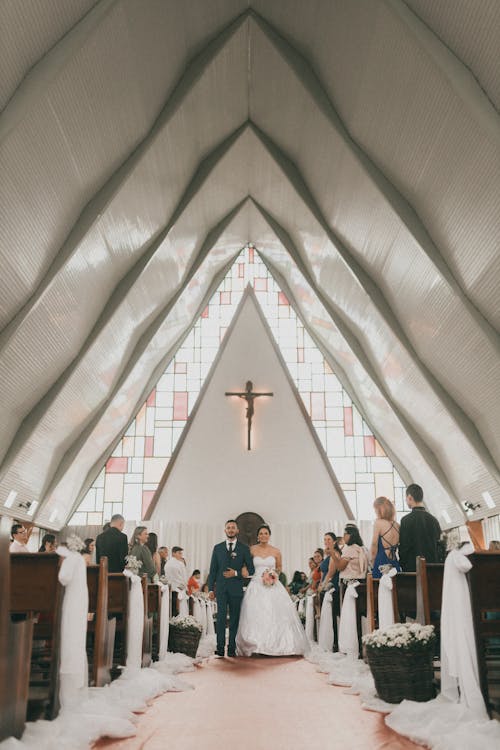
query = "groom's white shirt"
{"x": 176, "y": 574}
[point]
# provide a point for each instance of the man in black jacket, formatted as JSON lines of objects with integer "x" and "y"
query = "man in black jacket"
{"x": 113, "y": 544}
{"x": 420, "y": 532}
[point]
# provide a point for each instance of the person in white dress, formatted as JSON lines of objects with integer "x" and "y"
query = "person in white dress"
{"x": 177, "y": 578}
{"x": 269, "y": 623}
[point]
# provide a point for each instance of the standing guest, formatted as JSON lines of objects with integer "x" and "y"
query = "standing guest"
{"x": 330, "y": 579}
{"x": 419, "y": 533}
{"x": 296, "y": 584}
{"x": 353, "y": 565}
{"x": 113, "y": 544}
{"x": 48, "y": 543}
{"x": 175, "y": 573}
{"x": 152, "y": 544}
{"x": 138, "y": 547}
{"x": 20, "y": 535}
{"x": 316, "y": 573}
{"x": 384, "y": 549}
{"x": 193, "y": 585}
{"x": 88, "y": 551}
{"x": 163, "y": 552}
{"x": 494, "y": 546}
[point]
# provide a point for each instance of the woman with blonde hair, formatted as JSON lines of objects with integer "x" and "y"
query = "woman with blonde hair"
{"x": 139, "y": 549}
{"x": 385, "y": 542}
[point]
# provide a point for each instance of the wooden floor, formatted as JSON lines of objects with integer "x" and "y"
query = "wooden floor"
{"x": 259, "y": 703}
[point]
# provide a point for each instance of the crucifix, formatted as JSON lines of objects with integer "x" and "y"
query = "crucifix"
{"x": 249, "y": 397}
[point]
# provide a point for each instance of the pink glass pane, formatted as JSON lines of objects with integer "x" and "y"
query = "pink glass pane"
{"x": 317, "y": 405}
{"x": 147, "y": 496}
{"x": 250, "y": 255}
{"x": 205, "y": 312}
{"x": 282, "y": 299}
{"x": 148, "y": 446}
{"x": 300, "y": 354}
{"x": 180, "y": 405}
{"x": 348, "y": 426}
{"x": 180, "y": 368}
{"x": 117, "y": 465}
{"x": 369, "y": 443}
{"x": 152, "y": 398}
{"x": 260, "y": 285}
{"x": 225, "y": 298}
{"x": 241, "y": 270}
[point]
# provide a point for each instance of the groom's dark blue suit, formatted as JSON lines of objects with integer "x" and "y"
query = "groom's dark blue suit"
{"x": 229, "y": 591}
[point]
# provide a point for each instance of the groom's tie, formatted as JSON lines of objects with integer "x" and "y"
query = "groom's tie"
{"x": 230, "y": 547}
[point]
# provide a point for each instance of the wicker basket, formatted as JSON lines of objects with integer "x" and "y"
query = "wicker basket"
{"x": 401, "y": 674}
{"x": 183, "y": 641}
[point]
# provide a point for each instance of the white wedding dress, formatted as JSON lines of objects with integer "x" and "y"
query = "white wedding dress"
{"x": 269, "y": 623}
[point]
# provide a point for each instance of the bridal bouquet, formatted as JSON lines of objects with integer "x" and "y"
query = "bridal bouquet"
{"x": 270, "y": 577}
{"x": 133, "y": 564}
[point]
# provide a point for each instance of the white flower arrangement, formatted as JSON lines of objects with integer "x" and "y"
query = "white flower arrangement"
{"x": 133, "y": 564}
{"x": 401, "y": 635}
{"x": 186, "y": 622}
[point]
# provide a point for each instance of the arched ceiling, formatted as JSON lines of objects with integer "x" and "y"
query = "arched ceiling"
{"x": 357, "y": 144}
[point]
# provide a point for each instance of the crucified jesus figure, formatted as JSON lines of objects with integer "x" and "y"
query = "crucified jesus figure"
{"x": 249, "y": 397}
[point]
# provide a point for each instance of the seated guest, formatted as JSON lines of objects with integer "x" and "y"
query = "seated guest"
{"x": 384, "y": 549}
{"x": 113, "y": 544}
{"x": 419, "y": 533}
{"x": 139, "y": 549}
{"x": 494, "y": 546}
{"x": 193, "y": 585}
{"x": 175, "y": 573}
{"x": 88, "y": 551}
{"x": 163, "y": 552}
{"x": 204, "y": 588}
{"x": 353, "y": 565}
{"x": 296, "y": 584}
{"x": 152, "y": 544}
{"x": 20, "y": 536}
{"x": 48, "y": 543}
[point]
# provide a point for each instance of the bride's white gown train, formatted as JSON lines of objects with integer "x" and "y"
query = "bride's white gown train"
{"x": 269, "y": 623}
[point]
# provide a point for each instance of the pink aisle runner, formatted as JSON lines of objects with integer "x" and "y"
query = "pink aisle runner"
{"x": 257, "y": 703}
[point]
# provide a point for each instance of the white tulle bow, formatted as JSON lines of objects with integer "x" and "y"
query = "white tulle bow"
{"x": 135, "y": 625}
{"x": 325, "y": 636}
{"x": 73, "y": 667}
{"x": 459, "y": 671}
{"x": 385, "y": 608}
{"x": 348, "y": 627}
{"x": 164, "y": 621}
{"x": 310, "y": 619}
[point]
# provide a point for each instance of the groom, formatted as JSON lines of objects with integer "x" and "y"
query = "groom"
{"x": 228, "y": 558}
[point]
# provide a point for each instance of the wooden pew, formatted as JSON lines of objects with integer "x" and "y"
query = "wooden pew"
{"x": 15, "y": 652}
{"x": 154, "y": 611}
{"x": 484, "y": 585}
{"x": 118, "y": 590}
{"x": 429, "y": 593}
{"x": 36, "y": 591}
{"x": 147, "y": 633}
{"x": 101, "y": 629}
{"x": 405, "y": 586}
{"x": 372, "y": 585}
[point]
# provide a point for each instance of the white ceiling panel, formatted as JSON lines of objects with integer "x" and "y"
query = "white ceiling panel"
{"x": 142, "y": 144}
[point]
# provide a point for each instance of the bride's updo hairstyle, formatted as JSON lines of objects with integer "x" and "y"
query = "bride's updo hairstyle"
{"x": 263, "y": 526}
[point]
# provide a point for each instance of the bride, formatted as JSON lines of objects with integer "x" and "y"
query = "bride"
{"x": 269, "y": 623}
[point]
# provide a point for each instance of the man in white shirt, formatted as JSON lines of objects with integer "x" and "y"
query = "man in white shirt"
{"x": 20, "y": 536}
{"x": 176, "y": 575}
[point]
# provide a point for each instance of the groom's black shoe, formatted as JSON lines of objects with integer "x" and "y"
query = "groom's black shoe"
{"x": 219, "y": 653}
{"x": 231, "y": 653}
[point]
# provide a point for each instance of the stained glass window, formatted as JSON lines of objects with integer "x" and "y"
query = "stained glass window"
{"x": 128, "y": 481}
